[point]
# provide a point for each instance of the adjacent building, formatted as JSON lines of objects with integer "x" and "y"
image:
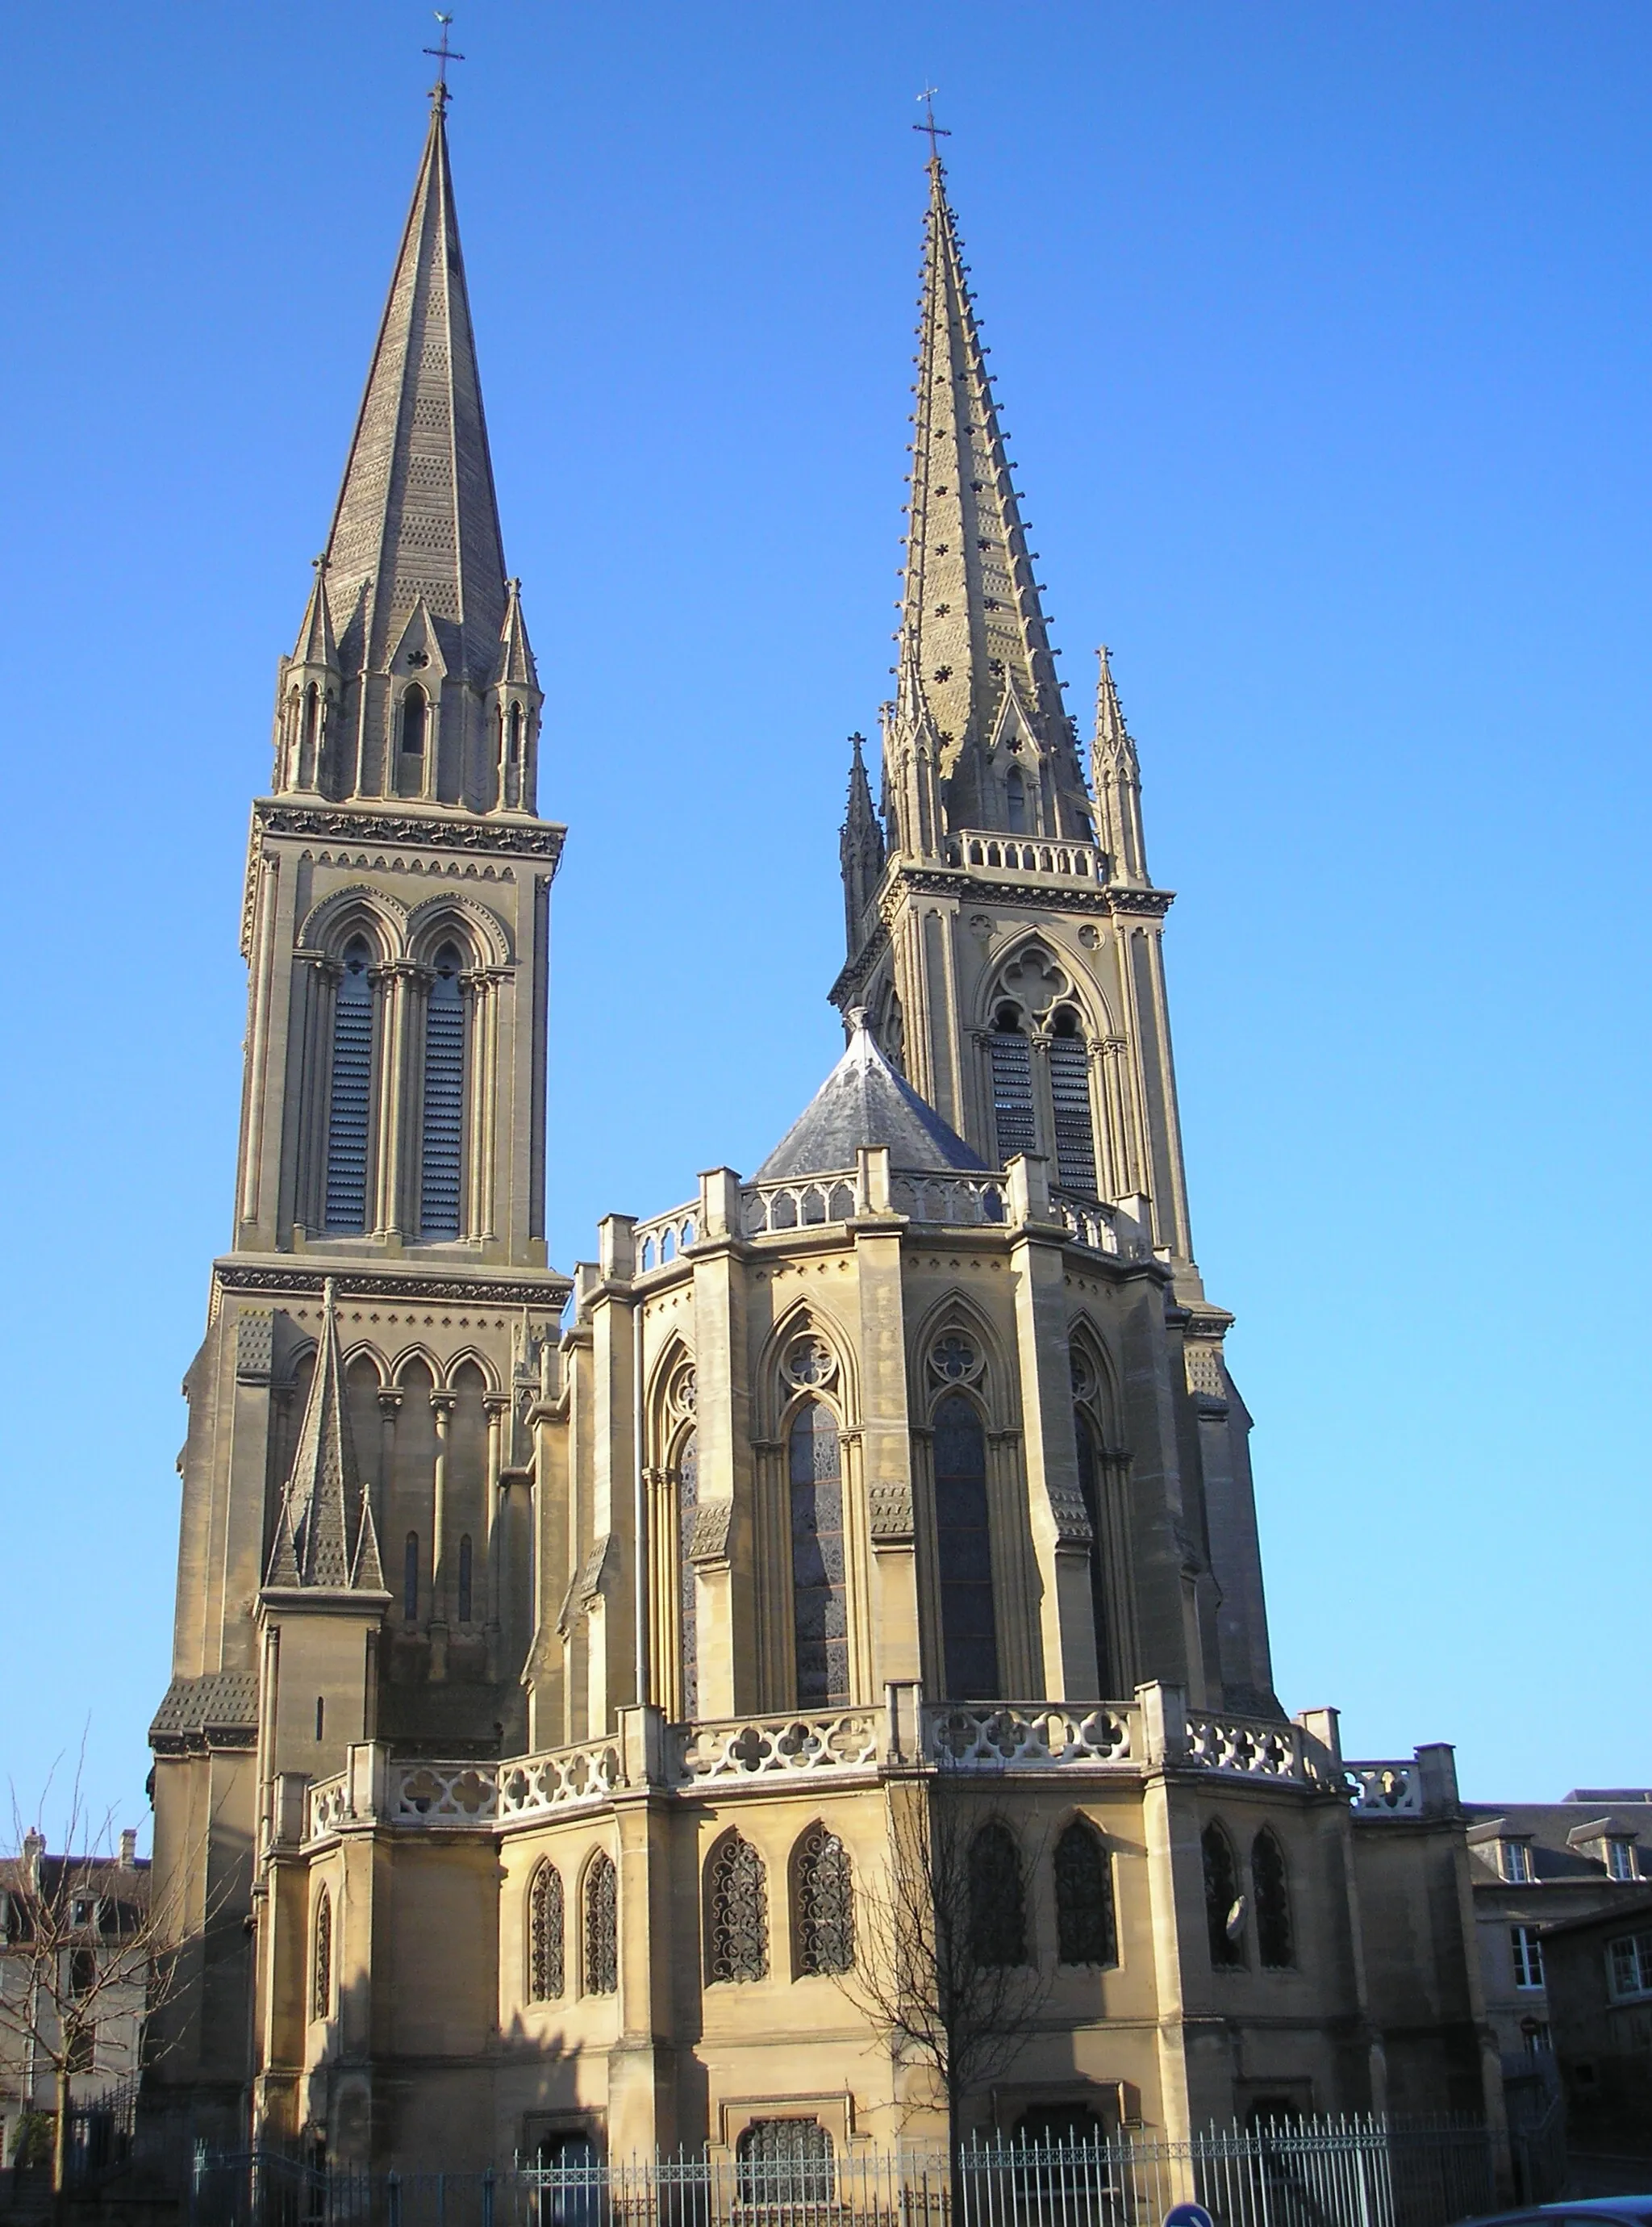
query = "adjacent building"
{"x": 556, "y": 1656}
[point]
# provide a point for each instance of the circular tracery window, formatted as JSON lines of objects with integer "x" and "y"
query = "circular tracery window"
{"x": 682, "y": 1390}
{"x": 953, "y": 1358}
{"x": 808, "y": 1361}
{"x": 1083, "y": 1375}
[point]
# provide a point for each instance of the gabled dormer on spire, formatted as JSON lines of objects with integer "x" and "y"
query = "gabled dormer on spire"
{"x": 415, "y": 542}
{"x": 307, "y": 696}
{"x": 515, "y": 703}
{"x": 860, "y": 844}
{"x": 974, "y": 649}
{"x": 1116, "y": 773}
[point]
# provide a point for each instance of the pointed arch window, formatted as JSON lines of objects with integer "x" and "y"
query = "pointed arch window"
{"x": 964, "y": 1552}
{"x": 1272, "y": 1891}
{"x": 997, "y": 1899}
{"x": 544, "y": 1930}
{"x": 1089, "y": 1486}
{"x": 1012, "y": 1057}
{"x": 823, "y": 1901}
{"x": 415, "y": 738}
{"x": 1224, "y": 1909}
{"x": 321, "y": 1972}
{"x": 601, "y": 1927}
{"x": 688, "y": 1476}
{"x": 351, "y": 1094}
{"x": 309, "y": 750}
{"x": 1015, "y": 801}
{"x": 736, "y": 1933}
{"x": 1086, "y": 1927}
{"x": 1070, "y": 1086}
{"x": 442, "y": 1146}
{"x": 410, "y": 1579}
{"x": 466, "y": 1587}
{"x": 820, "y": 1597}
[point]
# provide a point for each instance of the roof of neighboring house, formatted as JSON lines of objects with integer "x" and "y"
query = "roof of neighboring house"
{"x": 1631, "y": 1907}
{"x": 1557, "y": 1834}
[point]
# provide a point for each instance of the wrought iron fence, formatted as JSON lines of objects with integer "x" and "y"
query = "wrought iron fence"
{"x": 1298, "y": 2172}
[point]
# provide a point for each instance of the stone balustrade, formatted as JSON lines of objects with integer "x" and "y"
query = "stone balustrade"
{"x": 978, "y": 848}
{"x": 1156, "y": 1731}
{"x": 765, "y": 1208}
{"x": 964, "y": 1201}
{"x": 657, "y": 1243}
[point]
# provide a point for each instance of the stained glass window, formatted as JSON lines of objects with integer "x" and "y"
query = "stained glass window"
{"x": 321, "y": 1984}
{"x": 963, "y": 1550}
{"x": 1222, "y": 1910}
{"x": 997, "y": 1898}
{"x": 1086, "y": 1932}
{"x": 688, "y": 1471}
{"x": 820, "y": 1597}
{"x": 1272, "y": 1891}
{"x": 1089, "y": 1485}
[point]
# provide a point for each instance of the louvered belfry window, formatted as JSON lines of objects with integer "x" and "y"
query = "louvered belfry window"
{"x": 352, "y": 1094}
{"x": 1069, "y": 1085}
{"x": 442, "y": 1155}
{"x": 1011, "y": 1056}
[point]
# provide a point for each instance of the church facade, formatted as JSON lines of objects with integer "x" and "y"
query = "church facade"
{"x": 556, "y": 1658}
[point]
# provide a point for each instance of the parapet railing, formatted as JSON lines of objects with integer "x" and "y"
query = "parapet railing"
{"x": 905, "y": 1732}
{"x": 1018, "y": 854}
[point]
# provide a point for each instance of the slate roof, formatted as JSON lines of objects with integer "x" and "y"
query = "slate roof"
{"x": 864, "y": 1102}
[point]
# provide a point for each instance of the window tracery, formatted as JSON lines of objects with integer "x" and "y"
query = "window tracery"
{"x": 819, "y": 1593}
{"x": 808, "y": 1362}
{"x": 1086, "y": 1927}
{"x": 785, "y": 2162}
{"x": 955, "y": 1358}
{"x": 544, "y": 1935}
{"x": 824, "y": 1900}
{"x": 964, "y": 1552}
{"x": 350, "y": 1096}
{"x": 737, "y": 1927}
{"x": 601, "y": 1927}
{"x": 320, "y": 1977}
{"x": 997, "y": 1898}
{"x": 1271, "y": 1888}
{"x": 1224, "y": 1906}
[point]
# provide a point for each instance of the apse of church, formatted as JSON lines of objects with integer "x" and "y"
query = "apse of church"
{"x": 550, "y": 1651}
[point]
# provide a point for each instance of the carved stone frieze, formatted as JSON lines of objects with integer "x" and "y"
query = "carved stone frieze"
{"x": 890, "y": 1508}
{"x": 713, "y": 1524}
{"x": 366, "y": 1283}
{"x": 540, "y": 839}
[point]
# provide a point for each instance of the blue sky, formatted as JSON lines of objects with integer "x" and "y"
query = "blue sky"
{"x": 1323, "y": 335}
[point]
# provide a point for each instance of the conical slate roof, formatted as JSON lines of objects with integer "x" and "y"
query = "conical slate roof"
{"x": 864, "y": 1102}
{"x": 325, "y": 1534}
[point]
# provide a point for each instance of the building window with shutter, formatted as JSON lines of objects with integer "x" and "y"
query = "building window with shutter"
{"x": 1012, "y": 1109}
{"x": 1069, "y": 1085}
{"x": 442, "y": 1144}
{"x": 351, "y": 1099}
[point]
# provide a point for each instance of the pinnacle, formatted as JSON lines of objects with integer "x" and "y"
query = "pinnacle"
{"x": 323, "y": 1501}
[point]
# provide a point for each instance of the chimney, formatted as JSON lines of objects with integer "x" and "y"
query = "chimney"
{"x": 128, "y": 1849}
{"x": 34, "y": 1849}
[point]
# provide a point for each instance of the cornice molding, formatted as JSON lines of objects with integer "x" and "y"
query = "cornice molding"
{"x": 541, "y": 838}
{"x": 244, "y": 1277}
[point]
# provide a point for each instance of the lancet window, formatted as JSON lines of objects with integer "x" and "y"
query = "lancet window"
{"x": 1015, "y": 1122}
{"x": 964, "y": 1552}
{"x": 321, "y": 1970}
{"x": 1090, "y": 1486}
{"x": 441, "y": 1149}
{"x": 1272, "y": 1891}
{"x": 1015, "y": 800}
{"x": 465, "y": 1585}
{"x": 736, "y": 1933}
{"x": 688, "y": 1476}
{"x": 1224, "y": 1910}
{"x": 1085, "y": 1929}
{"x": 415, "y": 738}
{"x": 545, "y": 1955}
{"x": 410, "y": 1579}
{"x": 601, "y": 1927}
{"x": 1069, "y": 1088}
{"x": 820, "y": 1598}
{"x": 997, "y": 1898}
{"x": 823, "y": 1902}
{"x": 351, "y": 1098}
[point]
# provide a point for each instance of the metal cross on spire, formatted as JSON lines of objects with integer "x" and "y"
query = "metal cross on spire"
{"x": 936, "y": 131}
{"x": 444, "y": 53}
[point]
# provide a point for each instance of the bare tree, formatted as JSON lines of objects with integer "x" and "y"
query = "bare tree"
{"x": 88, "y": 1948}
{"x": 945, "y": 1962}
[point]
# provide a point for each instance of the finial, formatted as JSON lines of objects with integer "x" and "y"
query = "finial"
{"x": 858, "y": 742}
{"x": 856, "y": 1019}
{"x": 444, "y": 53}
{"x": 329, "y": 1290}
{"x": 936, "y": 131}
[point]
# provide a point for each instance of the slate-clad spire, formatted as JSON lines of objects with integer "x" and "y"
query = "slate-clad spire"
{"x": 325, "y": 1534}
{"x": 973, "y": 640}
{"x": 417, "y": 514}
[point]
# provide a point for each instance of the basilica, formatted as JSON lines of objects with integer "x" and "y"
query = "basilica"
{"x": 554, "y": 1656}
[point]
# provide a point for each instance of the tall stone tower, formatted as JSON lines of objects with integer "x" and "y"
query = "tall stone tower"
{"x": 1002, "y": 929}
{"x": 354, "y": 1559}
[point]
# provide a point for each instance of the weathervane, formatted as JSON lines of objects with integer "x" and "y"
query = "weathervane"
{"x": 936, "y": 131}
{"x": 444, "y": 53}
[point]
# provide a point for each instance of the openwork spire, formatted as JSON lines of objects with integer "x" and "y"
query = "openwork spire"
{"x": 971, "y": 634}
{"x": 325, "y": 1534}
{"x": 417, "y": 515}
